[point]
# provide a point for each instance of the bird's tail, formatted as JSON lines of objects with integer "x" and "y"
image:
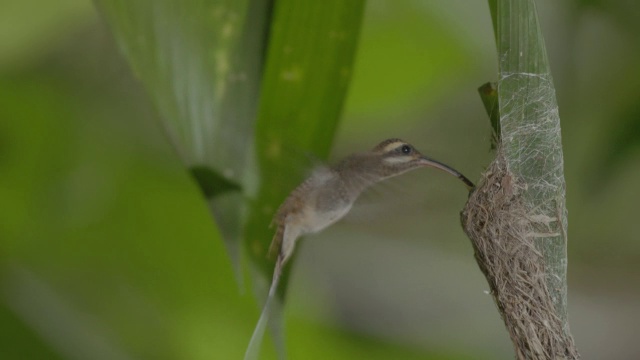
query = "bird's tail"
{"x": 271, "y": 305}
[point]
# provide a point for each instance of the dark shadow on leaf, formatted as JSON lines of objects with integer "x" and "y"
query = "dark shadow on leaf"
{"x": 211, "y": 182}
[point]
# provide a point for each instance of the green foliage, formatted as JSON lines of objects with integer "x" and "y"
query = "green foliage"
{"x": 489, "y": 95}
{"x": 308, "y": 68}
{"x": 107, "y": 249}
{"x": 154, "y": 278}
{"x": 201, "y": 62}
{"x": 399, "y": 51}
{"x": 212, "y": 183}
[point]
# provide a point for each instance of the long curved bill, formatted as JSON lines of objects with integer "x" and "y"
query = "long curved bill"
{"x": 438, "y": 165}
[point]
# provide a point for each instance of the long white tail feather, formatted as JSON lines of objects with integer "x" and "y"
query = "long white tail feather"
{"x": 253, "y": 349}
{"x": 276, "y": 328}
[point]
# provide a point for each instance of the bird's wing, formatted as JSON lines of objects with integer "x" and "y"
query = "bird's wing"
{"x": 276, "y": 242}
{"x": 294, "y": 205}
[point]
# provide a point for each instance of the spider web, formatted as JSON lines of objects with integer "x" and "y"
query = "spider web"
{"x": 516, "y": 217}
{"x": 532, "y": 147}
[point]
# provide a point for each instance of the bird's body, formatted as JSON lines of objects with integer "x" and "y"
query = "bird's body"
{"x": 315, "y": 204}
{"x": 327, "y": 196}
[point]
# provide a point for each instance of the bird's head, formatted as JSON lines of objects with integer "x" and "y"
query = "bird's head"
{"x": 397, "y": 157}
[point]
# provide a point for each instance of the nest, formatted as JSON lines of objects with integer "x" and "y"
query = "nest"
{"x": 502, "y": 232}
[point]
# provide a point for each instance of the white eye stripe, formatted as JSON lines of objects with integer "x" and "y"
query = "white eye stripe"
{"x": 392, "y": 146}
{"x": 397, "y": 159}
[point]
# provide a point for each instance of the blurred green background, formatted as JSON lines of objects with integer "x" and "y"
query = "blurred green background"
{"x": 107, "y": 250}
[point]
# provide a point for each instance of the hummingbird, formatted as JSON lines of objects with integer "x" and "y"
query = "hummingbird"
{"x": 327, "y": 195}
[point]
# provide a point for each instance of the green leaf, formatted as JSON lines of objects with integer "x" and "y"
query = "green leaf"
{"x": 211, "y": 183}
{"x": 201, "y": 63}
{"x": 309, "y": 65}
{"x": 493, "y": 10}
{"x": 489, "y": 95}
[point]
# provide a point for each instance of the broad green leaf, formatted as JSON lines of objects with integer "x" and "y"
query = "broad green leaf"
{"x": 309, "y": 64}
{"x": 201, "y": 63}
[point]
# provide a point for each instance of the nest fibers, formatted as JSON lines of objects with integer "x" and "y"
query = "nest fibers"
{"x": 503, "y": 235}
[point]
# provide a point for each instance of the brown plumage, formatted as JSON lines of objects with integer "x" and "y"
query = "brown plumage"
{"x": 327, "y": 195}
{"x": 333, "y": 190}
{"x": 293, "y": 204}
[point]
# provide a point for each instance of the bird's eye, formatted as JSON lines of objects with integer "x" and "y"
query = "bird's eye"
{"x": 406, "y": 149}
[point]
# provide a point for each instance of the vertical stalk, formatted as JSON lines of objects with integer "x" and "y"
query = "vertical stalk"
{"x": 516, "y": 218}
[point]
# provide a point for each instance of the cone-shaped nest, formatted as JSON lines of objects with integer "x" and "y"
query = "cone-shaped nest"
{"x": 503, "y": 236}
